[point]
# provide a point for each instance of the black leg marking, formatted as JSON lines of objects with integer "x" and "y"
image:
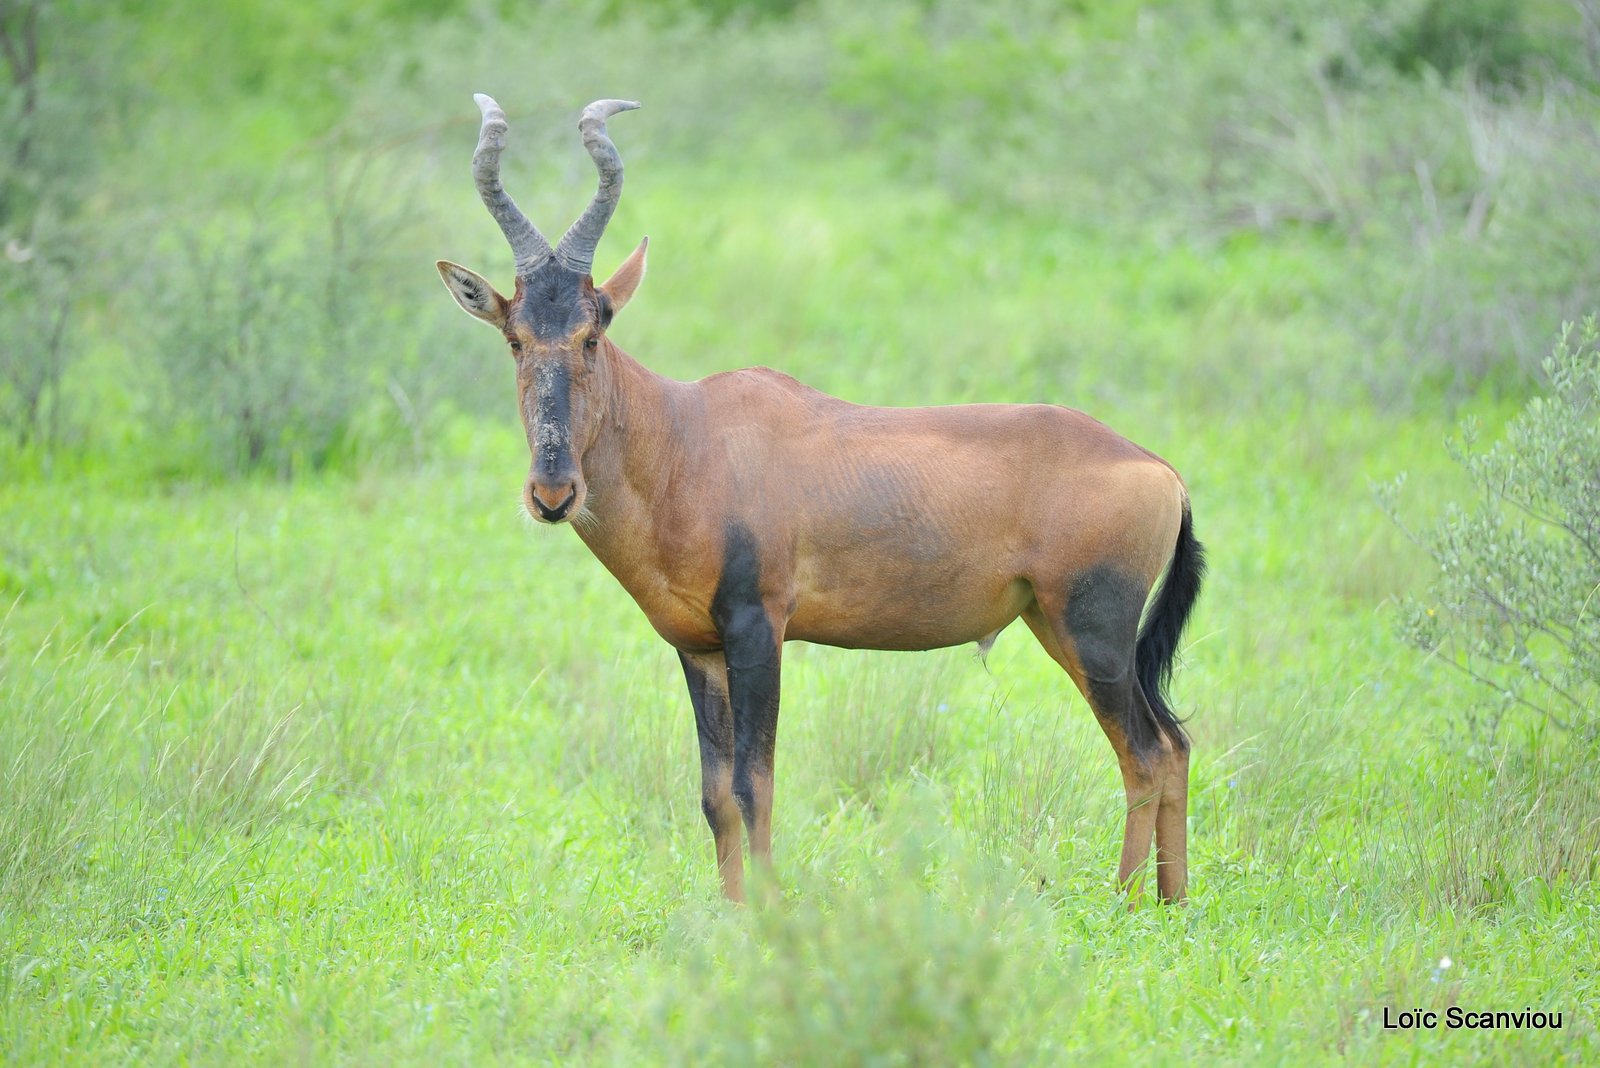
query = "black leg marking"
{"x": 753, "y": 691}
{"x": 751, "y": 648}
{"x": 1102, "y": 620}
{"x": 714, "y": 726}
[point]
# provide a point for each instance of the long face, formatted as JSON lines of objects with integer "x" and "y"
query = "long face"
{"x": 555, "y": 332}
{"x": 555, "y": 322}
{"x": 555, "y": 327}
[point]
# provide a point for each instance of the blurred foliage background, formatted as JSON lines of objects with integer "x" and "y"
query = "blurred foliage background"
{"x": 311, "y": 750}
{"x": 219, "y": 220}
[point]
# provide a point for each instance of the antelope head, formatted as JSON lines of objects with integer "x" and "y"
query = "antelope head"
{"x": 556, "y": 319}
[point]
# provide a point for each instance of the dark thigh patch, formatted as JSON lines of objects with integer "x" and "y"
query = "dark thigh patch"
{"x": 1102, "y": 619}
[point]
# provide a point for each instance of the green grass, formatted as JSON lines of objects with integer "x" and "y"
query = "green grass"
{"x": 364, "y": 767}
{"x": 370, "y": 769}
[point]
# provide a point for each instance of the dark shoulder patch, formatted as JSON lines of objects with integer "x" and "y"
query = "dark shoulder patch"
{"x": 740, "y": 582}
{"x": 736, "y": 608}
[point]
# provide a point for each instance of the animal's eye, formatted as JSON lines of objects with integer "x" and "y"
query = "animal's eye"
{"x": 591, "y": 342}
{"x": 516, "y": 346}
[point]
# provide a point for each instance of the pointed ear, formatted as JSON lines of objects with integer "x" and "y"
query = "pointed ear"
{"x": 620, "y": 286}
{"x": 475, "y": 295}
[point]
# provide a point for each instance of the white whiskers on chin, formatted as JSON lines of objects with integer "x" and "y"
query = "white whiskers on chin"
{"x": 523, "y": 513}
{"x": 585, "y": 521}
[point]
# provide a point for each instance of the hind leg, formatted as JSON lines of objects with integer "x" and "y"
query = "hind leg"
{"x": 1172, "y": 827}
{"x": 1091, "y": 632}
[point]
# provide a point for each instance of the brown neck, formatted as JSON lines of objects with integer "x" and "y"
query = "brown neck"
{"x": 636, "y": 447}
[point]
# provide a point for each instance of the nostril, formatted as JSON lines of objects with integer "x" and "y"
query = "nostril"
{"x": 542, "y": 498}
{"x": 551, "y": 497}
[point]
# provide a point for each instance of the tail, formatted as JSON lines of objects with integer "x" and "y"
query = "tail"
{"x": 1158, "y": 639}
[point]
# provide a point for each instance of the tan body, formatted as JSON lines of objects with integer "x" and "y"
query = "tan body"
{"x": 746, "y": 510}
{"x": 878, "y": 528}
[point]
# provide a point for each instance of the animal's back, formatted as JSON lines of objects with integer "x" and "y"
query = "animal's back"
{"x": 918, "y": 527}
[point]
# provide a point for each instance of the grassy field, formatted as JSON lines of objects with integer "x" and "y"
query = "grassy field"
{"x": 338, "y": 758}
{"x": 368, "y": 769}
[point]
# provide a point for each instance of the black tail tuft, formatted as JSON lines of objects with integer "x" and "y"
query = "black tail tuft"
{"x": 1158, "y": 640}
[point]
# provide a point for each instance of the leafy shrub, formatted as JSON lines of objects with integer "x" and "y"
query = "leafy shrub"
{"x": 1516, "y": 602}
{"x": 894, "y": 973}
{"x": 34, "y": 320}
{"x": 1396, "y": 131}
{"x": 281, "y": 344}
{"x": 1445, "y": 36}
{"x": 54, "y": 118}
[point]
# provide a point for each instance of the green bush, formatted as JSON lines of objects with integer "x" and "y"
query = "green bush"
{"x": 1387, "y": 132}
{"x": 891, "y": 973}
{"x": 277, "y": 336}
{"x": 58, "y": 111}
{"x": 1516, "y": 602}
{"x": 1444, "y": 36}
{"x": 35, "y": 314}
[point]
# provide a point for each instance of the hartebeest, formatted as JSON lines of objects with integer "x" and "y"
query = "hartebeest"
{"x": 746, "y": 510}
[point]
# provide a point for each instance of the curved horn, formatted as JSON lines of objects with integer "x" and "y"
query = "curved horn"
{"x": 528, "y": 245}
{"x": 576, "y": 248}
